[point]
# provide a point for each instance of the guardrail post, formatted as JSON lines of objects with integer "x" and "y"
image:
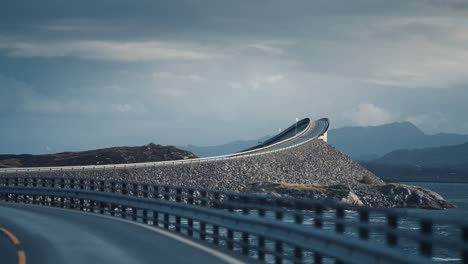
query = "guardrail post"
{"x": 167, "y": 191}
{"x": 190, "y": 220}
{"x": 203, "y": 198}
{"x": 39, "y": 197}
{"x": 178, "y": 199}
{"x": 245, "y": 243}
{"x": 81, "y": 201}
{"x": 278, "y": 212}
{"x": 166, "y": 216}
{"x": 123, "y": 211}
{"x": 202, "y": 230}
{"x": 123, "y": 188}
{"x": 101, "y": 188}
{"x": 62, "y": 183}
{"x": 203, "y": 224}
{"x": 318, "y": 219}
{"x": 261, "y": 248}
{"x": 93, "y": 205}
{"x": 298, "y": 218}
{"x": 279, "y": 244}
{"x": 135, "y": 210}
{"x": 230, "y": 200}
{"x": 318, "y": 223}
{"x": 190, "y": 196}
{"x": 155, "y": 213}
{"x": 279, "y": 252}
{"x": 230, "y": 239}
{"x": 134, "y": 213}
{"x": 3, "y": 194}
{"x": 112, "y": 187}
{"x": 392, "y": 223}
{"x": 6, "y": 182}
{"x": 464, "y": 252}
{"x": 339, "y": 226}
{"x": 363, "y": 222}
{"x": 425, "y": 245}
{"x": 111, "y": 206}
{"x": 15, "y": 196}
{"x": 111, "y": 209}
{"x": 145, "y": 211}
{"x": 216, "y": 234}
{"x": 216, "y": 201}
{"x": 34, "y": 185}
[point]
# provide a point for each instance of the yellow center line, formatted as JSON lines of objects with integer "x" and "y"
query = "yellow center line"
{"x": 21, "y": 257}
{"x": 10, "y": 235}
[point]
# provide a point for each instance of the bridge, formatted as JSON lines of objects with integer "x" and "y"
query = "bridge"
{"x": 300, "y": 133}
{"x": 48, "y": 217}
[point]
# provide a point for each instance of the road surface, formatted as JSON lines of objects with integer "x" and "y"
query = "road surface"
{"x": 34, "y": 234}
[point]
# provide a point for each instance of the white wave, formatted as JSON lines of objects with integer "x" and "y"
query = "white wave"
{"x": 445, "y": 259}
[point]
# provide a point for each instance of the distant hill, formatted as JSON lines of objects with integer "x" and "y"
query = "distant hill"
{"x": 115, "y": 155}
{"x": 368, "y": 143}
{"x": 228, "y": 148}
{"x": 448, "y": 163}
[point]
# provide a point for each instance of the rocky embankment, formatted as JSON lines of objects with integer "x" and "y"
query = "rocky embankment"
{"x": 390, "y": 195}
{"x": 322, "y": 171}
{"x": 115, "y": 155}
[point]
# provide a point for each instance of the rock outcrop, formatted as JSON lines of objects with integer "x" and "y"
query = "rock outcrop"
{"x": 115, "y": 155}
{"x": 336, "y": 193}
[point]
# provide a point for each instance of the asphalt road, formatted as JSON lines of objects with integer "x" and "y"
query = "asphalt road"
{"x": 34, "y": 234}
{"x": 317, "y": 128}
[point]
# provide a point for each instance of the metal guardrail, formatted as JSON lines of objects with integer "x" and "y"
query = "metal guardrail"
{"x": 250, "y": 153}
{"x": 268, "y": 228}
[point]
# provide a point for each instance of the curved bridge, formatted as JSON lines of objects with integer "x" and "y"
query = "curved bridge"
{"x": 299, "y": 133}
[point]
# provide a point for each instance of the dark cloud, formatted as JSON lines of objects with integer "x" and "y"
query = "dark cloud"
{"x": 205, "y": 72}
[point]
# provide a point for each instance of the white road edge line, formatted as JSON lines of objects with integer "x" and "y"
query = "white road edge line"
{"x": 218, "y": 254}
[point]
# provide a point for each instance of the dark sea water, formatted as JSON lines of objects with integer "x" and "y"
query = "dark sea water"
{"x": 456, "y": 193}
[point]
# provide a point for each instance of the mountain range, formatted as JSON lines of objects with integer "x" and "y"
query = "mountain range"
{"x": 440, "y": 164}
{"x": 369, "y": 143}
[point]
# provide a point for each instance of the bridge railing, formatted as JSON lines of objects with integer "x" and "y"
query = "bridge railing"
{"x": 269, "y": 228}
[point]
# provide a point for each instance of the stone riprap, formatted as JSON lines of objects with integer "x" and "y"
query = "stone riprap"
{"x": 315, "y": 163}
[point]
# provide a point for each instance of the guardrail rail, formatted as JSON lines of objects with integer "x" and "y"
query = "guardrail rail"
{"x": 268, "y": 228}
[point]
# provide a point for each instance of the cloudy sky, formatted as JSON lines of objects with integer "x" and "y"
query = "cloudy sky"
{"x": 85, "y": 74}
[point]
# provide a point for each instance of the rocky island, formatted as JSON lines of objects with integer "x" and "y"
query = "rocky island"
{"x": 115, "y": 155}
{"x": 314, "y": 170}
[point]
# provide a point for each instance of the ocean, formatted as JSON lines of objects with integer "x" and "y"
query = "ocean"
{"x": 457, "y": 193}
